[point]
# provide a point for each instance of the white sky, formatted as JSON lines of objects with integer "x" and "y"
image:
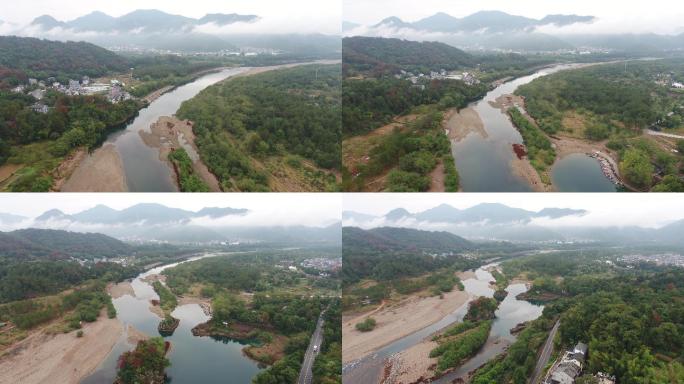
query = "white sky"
{"x": 614, "y": 209}
{"x": 322, "y": 16}
{"x": 310, "y": 209}
{"x": 661, "y": 16}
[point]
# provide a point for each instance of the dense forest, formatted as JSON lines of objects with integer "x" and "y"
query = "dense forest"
{"x": 615, "y": 102}
{"x": 379, "y": 55}
{"x": 32, "y": 243}
{"x": 629, "y": 317}
{"x": 42, "y": 59}
{"x": 250, "y": 123}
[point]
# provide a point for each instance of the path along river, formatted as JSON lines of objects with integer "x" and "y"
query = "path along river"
{"x": 484, "y": 163}
{"x": 510, "y": 313}
{"x": 193, "y": 359}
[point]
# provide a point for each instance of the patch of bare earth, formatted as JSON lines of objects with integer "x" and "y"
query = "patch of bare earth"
{"x": 412, "y": 365}
{"x": 61, "y": 358}
{"x": 100, "y": 171}
{"x": 437, "y": 178}
{"x": 8, "y": 170}
{"x": 121, "y": 289}
{"x": 356, "y": 151}
{"x": 460, "y": 124}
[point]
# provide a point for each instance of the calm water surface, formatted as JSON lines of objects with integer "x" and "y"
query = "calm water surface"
{"x": 193, "y": 359}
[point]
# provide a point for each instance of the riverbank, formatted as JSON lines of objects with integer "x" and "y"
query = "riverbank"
{"x": 261, "y": 352}
{"x": 61, "y": 358}
{"x": 100, "y": 171}
{"x": 460, "y": 124}
{"x": 169, "y": 133}
{"x": 396, "y": 321}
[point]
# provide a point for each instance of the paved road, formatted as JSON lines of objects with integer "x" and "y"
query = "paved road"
{"x": 656, "y": 133}
{"x": 545, "y": 355}
{"x": 305, "y": 375}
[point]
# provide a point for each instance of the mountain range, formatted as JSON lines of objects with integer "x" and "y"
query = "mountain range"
{"x": 483, "y": 21}
{"x": 501, "y": 222}
{"x": 147, "y": 213}
{"x": 142, "y": 20}
{"x": 156, "y": 222}
{"x": 151, "y": 29}
{"x": 502, "y": 31}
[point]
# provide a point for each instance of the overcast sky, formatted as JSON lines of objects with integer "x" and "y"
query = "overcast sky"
{"x": 277, "y": 16}
{"x": 315, "y": 209}
{"x": 661, "y": 16}
{"x": 614, "y": 209}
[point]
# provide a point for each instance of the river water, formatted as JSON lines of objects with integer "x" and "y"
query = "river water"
{"x": 484, "y": 164}
{"x": 143, "y": 170}
{"x": 511, "y": 312}
{"x": 193, "y": 359}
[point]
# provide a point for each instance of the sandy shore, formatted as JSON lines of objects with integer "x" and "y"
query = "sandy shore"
{"x": 122, "y": 289}
{"x": 462, "y": 123}
{"x": 523, "y": 169}
{"x": 169, "y": 133}
{"x": 101, "y": 171}
{"x": 412, "y": 365}
{"x": 397, "y": 321}
{"x": 62, "y": 358}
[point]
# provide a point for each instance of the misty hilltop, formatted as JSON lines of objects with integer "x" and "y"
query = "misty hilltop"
{"x": 158, "y": 223}
{"x": 139, "y": 21}
{"x": 483, "y": 21}
{"x": 493, "y": 221}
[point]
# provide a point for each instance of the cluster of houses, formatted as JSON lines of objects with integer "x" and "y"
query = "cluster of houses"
{"x": 668, "y": 80}
{"x": 569, "y": 367}
{"x": 415, "y": 79}
{"x": 113, "y": 91}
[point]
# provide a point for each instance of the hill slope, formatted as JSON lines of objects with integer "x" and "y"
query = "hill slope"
{"x": 371, "y": 52}
{"x": 40, "y": 243}
{"x": 43, "y": 58}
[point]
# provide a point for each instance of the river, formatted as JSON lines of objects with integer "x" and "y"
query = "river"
{"x": 511, "y": 312}
{"x": 144, "y": 171}
{"x": 484, "y": 164}
{"x": 193, "y": 359}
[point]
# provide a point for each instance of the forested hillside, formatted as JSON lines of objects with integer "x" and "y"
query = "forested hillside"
{"x": 393, "y": 253}
{"x": 377, "y": 54}
{"x": 251, "y": 131}
{"x": 27, "y": 244}
{"x": 43, "y": 58}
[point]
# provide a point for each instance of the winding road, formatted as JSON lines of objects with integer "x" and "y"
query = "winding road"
{"x": 545, "y": 355}
{"x": 305, "y": 375}
{"x": 657, "y": 133}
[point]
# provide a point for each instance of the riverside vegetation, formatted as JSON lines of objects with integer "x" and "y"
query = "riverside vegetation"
{"x": 260, "y": 132}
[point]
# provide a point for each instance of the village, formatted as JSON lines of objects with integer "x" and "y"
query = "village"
{"x": 415, "y": 79}
{"x": 569, "y": 367}
{"x": 38, "y": 89}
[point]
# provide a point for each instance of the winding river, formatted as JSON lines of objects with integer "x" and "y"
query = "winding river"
{"x": 193, "y": 359}
{"x": 484, "y": 163}
{"x": 143, "y": 169}
{"x": 511, "y": 312}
